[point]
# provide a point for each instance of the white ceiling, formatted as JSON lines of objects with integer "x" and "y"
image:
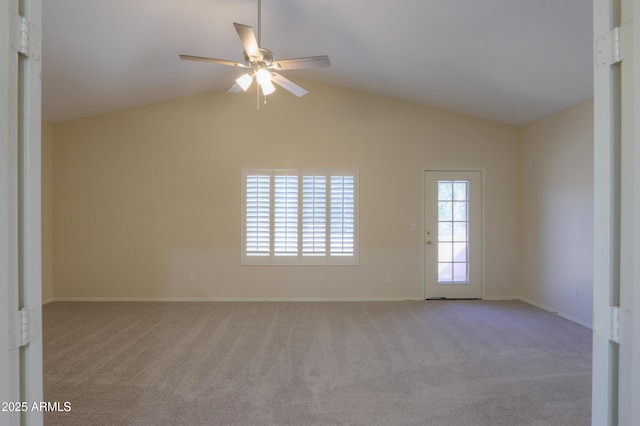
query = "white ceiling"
{"x": 512, "y": 61}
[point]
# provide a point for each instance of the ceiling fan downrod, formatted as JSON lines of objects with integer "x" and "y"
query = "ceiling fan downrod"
{"x": 259, "y": 22}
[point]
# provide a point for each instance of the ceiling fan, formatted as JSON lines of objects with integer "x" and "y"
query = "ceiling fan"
{"x": 263, "y": 64}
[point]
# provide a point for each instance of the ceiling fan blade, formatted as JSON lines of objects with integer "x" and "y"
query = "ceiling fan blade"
{"x": 299, "y": 63}
{"x": 215, "y": 61}
{"x": 249, "y": 41}
{"x": 289, "y": 85}
{"x": 234, "y": 89}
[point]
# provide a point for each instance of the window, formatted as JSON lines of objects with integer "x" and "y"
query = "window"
{"x": 453, "y": 231}
{"x": 299, "y": 216}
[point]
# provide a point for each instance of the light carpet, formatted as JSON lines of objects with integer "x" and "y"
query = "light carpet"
{"x": 315, "y": 363}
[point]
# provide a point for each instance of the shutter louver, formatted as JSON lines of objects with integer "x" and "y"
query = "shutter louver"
{"x": 314, "y": 215}
{"x": 285, "y": 216}
{"x": 342, "y": 215}
{"x": 258, "y": 227}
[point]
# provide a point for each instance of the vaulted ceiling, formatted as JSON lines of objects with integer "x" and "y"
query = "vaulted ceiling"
{"x": 511, "y": 61}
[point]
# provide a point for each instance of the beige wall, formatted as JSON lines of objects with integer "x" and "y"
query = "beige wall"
{"x": 146, "y": 196}
{"x": 47, "y": 218}
{"x": 556, "y": 212}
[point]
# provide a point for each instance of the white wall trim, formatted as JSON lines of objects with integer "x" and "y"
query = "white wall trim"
{"x": 560, "y": 314}
{"x": 9, "y": 360}
{"x": 233, "y": 299}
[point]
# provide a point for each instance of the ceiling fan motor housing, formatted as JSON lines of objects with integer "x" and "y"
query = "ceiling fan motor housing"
{"x": 266, "y": 60}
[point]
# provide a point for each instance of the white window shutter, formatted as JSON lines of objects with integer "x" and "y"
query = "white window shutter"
{"x": 342, "y": 216}
{"x": 314, "y": 215}
{"x": 257, "y": 215}
{"x": 285, "y": 208}
{"x": 299, "y": 217}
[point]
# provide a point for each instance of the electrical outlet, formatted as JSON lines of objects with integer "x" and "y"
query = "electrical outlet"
{"x": 574, "y": 294}
{"x": 388, "y": 278}
{"x": 191, "y": 278}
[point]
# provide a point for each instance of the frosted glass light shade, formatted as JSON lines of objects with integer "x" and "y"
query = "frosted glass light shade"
{"x": 263, "y": 76}
{"x": 244, "y": 81}
{"x": 267, "y": 87}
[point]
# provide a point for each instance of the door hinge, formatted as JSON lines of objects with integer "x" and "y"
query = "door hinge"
{"x": 25, "y": 37}
{"x": 613, "y": 323}
{"x": 614, "y": 46}
{"x": 24, "y": 327}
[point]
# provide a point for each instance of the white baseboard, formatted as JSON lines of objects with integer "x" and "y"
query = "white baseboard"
{"x": 232, "y": 299}
{"x": 560, "y": 314}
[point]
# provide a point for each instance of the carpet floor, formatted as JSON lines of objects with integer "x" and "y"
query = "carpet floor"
{"x": 318, "y": 363}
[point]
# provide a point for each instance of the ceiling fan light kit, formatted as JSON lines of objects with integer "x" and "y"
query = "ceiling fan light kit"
{"x": 262, "y": 63}
{"x": 245, "y": 81}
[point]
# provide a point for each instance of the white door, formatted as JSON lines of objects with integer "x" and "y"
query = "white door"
{"x": 453, "y": 234}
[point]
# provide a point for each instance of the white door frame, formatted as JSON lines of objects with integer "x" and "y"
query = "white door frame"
{"x": 616, "y": 297}
{"x": 9, "y": 360}
{"x": 483, "y": 222}
{"x": 20, "y": 223}
{"x": 635, "y": 330}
